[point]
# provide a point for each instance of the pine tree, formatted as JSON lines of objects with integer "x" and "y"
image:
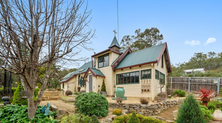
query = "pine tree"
{"x": 17, "y": 99}
{"x": 133, "y": 119}
{"x": 103, "y": 89}
{"x": 190, "y": 111}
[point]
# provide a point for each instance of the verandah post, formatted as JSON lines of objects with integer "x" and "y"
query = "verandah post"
{"x": 218, "y": 85}
{"x": 189, "y": 84}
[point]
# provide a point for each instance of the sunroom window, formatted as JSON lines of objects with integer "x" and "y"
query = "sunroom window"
{"x": 162, "y": 78}
{"x": 146, "y": 74}
{"x": 127, "y": 78}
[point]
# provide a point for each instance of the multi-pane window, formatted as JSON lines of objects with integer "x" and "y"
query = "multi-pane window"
{"x": 157, "y": 74}
{"x": 127, "y": 78}
{"x": 162, "y": 78}
{"x": 146, "y": 74}
{"x": 103, "y": 60}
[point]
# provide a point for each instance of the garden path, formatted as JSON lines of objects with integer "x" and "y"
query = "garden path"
{"x": 69, "y": 107}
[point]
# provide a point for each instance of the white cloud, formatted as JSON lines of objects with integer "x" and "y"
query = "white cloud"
{"x": 210, "y": 40}
{"x": 193, "y": 42}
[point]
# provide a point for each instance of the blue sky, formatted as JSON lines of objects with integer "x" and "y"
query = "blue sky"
{"x": 186, "y": 25}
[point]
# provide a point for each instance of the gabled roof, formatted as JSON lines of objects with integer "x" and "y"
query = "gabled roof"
{"x": 95, "y": 72}
{"x": 145, "y": 56}
{"x": 114, "y": 43}
{"x": 82, "y": 69}
{"x": 106, "y": 51}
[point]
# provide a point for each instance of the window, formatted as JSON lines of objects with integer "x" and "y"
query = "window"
{"x": 63, "y": 85}
{"x": 156, "y": 74}
{"x": 81, "y": 82}
{"x": 162, "y": 65}
{"x": 103, "y": 61}
{"x": 146, "y": 74}
{"x": 127, "y": 78}
{"x": 162, "y": 78}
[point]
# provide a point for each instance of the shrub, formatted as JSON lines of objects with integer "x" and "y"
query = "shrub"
{"x": 91, "y": 104}
{"x": 141, "y": 118}
{"x": 76, "y": 118}
{"x": 218, "y": 104}
{"x": 133, "y": 119}
{"x": 68, "y": 92}
{"x": 180, "y": 93}
{"x": 220, "y": 91}
{"x": 190, "y": 111}
{"x": 17, "y": 99}
{"x": 211, "y": 105}
{"x": 163, "y": 94}
{"x": 144, "y": 101}
{"x": 95, "y": 119}
{"x": 117, "y": 111}
{"x": 206, "y": 113}
{"x": 103, "y": 88}
{"x": 19, "y": 114}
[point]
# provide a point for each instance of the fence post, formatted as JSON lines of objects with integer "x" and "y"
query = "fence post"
{"x": 171, "y": 83}
{"x": 218, "y": 85}
{"x": 189, "y": 84}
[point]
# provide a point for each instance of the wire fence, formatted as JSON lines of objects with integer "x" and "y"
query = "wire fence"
{"x": 191, "y": 84}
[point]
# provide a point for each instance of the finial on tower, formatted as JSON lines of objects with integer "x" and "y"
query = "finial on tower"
{"x": 114, "y": 32}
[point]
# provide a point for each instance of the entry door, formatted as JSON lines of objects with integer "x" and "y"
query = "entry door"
{"x": 90, "y": 83}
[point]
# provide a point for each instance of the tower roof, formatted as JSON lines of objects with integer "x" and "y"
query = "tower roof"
{"x": 114, "y": 43}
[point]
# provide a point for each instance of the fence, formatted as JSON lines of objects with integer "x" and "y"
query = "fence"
{"x": 194, "y": 83}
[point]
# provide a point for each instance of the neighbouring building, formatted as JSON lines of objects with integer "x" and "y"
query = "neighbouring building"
{"x": 139, "y": 73}
{"x": 189, "y": 71}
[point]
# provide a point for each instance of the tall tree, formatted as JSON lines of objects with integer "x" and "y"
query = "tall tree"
{"x": 142, "y": 40}
{"x": 45, "y": 31}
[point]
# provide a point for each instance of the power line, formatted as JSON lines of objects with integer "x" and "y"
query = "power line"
{"x": 117, "y": 20}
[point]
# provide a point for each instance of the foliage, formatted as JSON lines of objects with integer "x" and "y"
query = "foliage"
{"x": 133, "y": 118}
{"x": 144, "y": 101}
{"x": 180, "y": 93}
{"x": 91, "y": 104}
{"x": 205, "y": 93}
{"x": 36, "y": 94}
{"x": 141, "y": 119}
{"x": 218, "y": 104}
{"x": 117, "y": 111}
{"x": 68, "y": 92}
{"x": 190, "y": 111}
{"x": 17, "y": 99}
{"x": 142, "y": 40}
{"x": 206, "y": 113}
{"x": 220, "y": 91}
{"x": 19, "y": 114}
{"x": 103, "y": 88}
{"x": 95, "y": 119}
{"x": 211, "y": 105}
{"x": 76, "y": 118}
{"x": 162, "y": 95}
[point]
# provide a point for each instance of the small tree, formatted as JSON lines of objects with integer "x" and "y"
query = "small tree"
{"x": 133, "y": 119}
{"x": 103, "y": 89}
{"x": 190, "y": 111}
{"x": 17, "y": 99}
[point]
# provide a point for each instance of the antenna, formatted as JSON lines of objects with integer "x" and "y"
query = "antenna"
{"x": 117, "y": 20}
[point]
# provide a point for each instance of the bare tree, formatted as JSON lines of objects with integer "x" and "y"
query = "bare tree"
{"x": 36, "y": 33}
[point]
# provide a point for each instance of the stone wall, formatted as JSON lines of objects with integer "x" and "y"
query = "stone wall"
{"x": 147, "y": 110}
{"x": 51, "y": 95}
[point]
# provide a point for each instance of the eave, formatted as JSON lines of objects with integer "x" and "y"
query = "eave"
{"x": 106, "y": 51}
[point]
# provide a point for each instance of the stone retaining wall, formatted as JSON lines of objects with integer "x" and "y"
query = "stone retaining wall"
{"x": 147, "y": 110}
{"x": 51, "y": 95}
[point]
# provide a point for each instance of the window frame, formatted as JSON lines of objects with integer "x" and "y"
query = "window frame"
{"x": 103, "y": 60}
{"x": 163, "y": 78}
{"x": 122, "y": 78}
{"x": 147, "y": 74}
{"x": 158, "y": 74}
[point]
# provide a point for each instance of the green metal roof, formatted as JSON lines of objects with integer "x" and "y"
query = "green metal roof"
{"x": 97, "y": 72}
{"x": 114, "y": 43}
{"x": 142, "y": 56}
{"x": 82, "y": 69}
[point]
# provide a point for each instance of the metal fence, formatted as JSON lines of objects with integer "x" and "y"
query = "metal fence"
{"x": 194, "y": 83}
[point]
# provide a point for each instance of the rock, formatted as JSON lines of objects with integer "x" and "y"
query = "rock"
{"x": 169, "y": 121}
{"x": 141, "y": 113}
{"x": 217, "y": 115}
{"x": 124, "y": 113}
{"x": 113, "y": 116}
{"x": 109, "y": 120}
{"x": 53, "y": 107}
{"x": 175, "y": 113}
